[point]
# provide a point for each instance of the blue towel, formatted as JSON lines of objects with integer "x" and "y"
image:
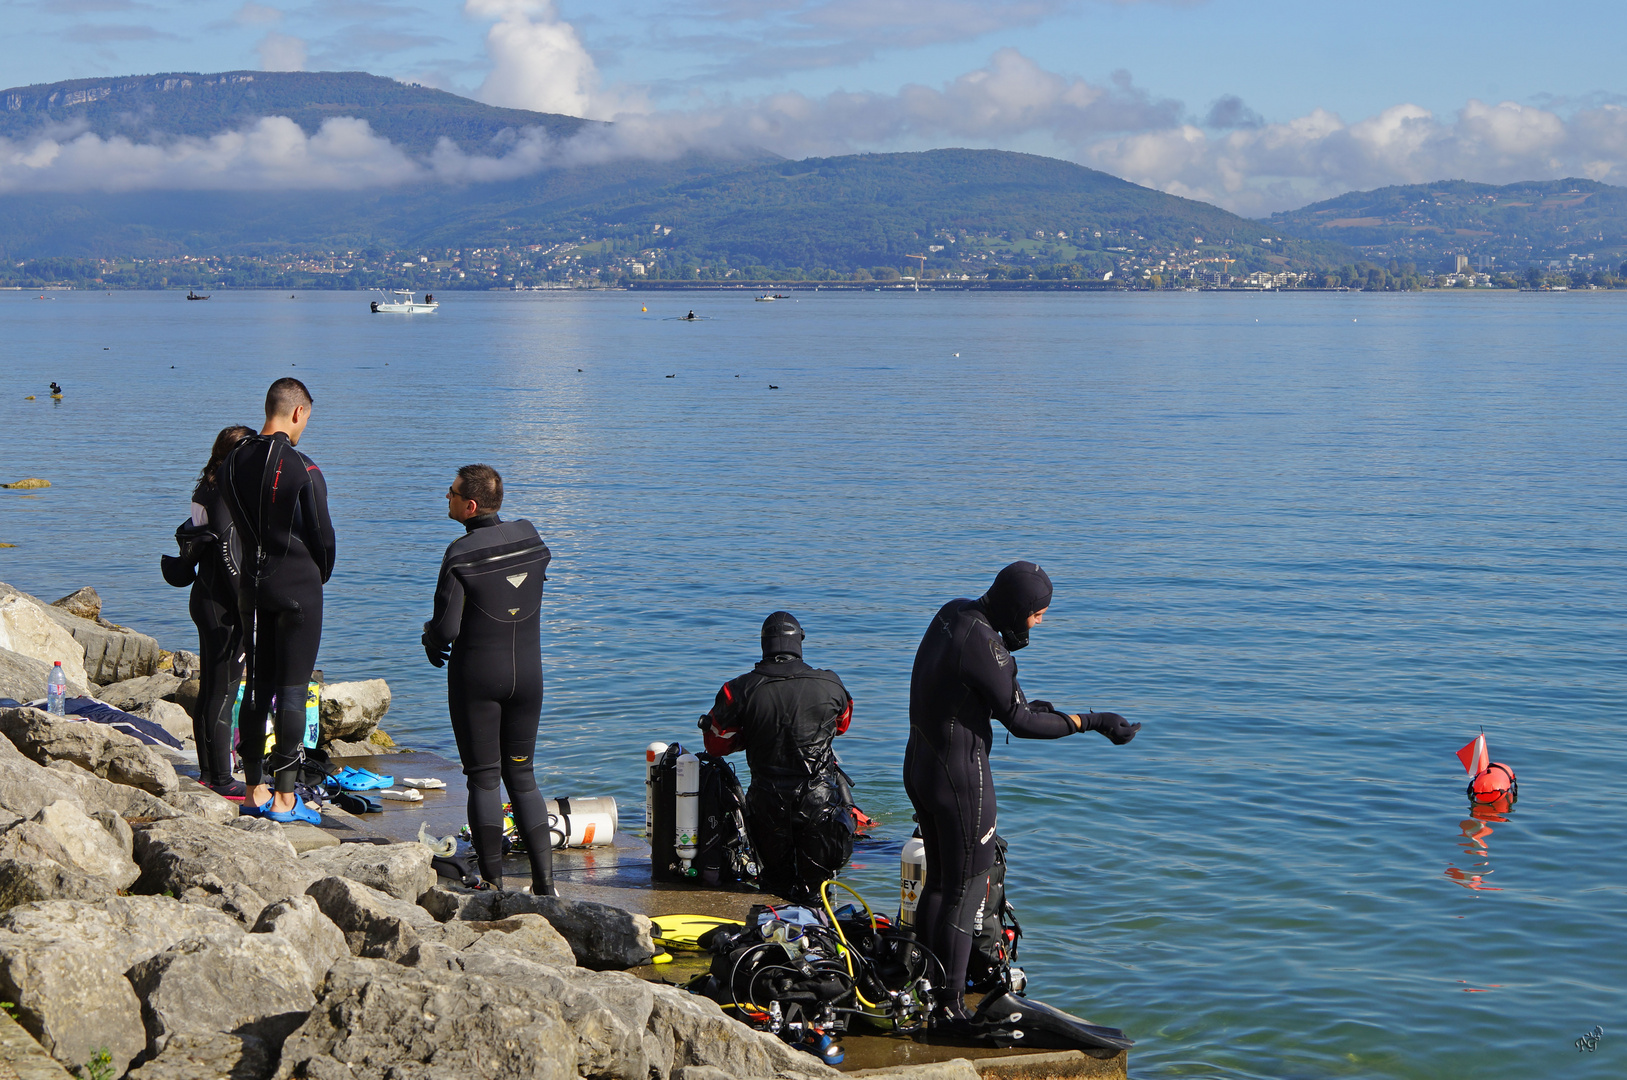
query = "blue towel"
{"x": 146, "y": 730}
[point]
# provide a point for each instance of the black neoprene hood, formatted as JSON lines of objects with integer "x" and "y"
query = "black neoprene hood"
{"x": 1018, "y": 591}
{"x": 782, "y": 635}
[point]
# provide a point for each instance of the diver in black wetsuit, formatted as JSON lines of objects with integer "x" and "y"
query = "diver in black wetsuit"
{"x": 214, "y": 610}
{"x": 785, "y": 714}
{"x": 279, "y": 506}
{"x": 965, "y": 676}
{"x": 487, "y": 631}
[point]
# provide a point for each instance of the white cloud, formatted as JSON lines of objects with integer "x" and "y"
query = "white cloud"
{"x": 271, "y": 154}
{"x": 281, "y": 52}
{"x": 1278, "y": 166}
{"x": 538, "y": 62}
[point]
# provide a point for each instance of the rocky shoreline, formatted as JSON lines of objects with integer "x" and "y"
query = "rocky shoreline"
{"x": 148, "y": 931}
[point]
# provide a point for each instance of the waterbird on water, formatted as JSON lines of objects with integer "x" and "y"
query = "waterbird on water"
{"x": 672, "y": 376}
{"x": 771, "y": 386}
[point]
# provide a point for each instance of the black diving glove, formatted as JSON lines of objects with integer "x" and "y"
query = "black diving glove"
{"x": 438, "y": 654}
{"x": 1115, "y": 727}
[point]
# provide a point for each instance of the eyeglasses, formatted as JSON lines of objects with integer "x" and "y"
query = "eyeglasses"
{"x": 454, "y": 493}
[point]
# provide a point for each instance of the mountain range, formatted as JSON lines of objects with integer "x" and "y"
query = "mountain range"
{"x": 963, "y": 211}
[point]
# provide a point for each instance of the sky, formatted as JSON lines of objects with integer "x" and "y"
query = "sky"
{"x": 1255, "y": 105}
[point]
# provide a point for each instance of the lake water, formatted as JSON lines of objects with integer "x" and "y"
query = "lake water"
{"x": 1315, "y": 543}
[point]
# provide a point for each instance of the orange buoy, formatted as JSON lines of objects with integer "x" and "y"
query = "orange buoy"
{"x": 1494, "y": 785}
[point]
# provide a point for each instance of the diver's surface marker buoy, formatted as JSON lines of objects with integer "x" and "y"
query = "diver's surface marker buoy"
{"x": 1491, "y": 782}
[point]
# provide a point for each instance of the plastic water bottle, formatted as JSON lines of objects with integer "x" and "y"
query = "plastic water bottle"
{"x": 56, "y": 691}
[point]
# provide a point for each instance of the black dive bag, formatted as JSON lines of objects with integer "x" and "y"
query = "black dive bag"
{"x": 724, "y": 851}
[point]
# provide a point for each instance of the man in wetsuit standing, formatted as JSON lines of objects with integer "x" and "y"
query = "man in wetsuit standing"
{"x": 965, "y": 676}
{"x": 487, "y": 632}
{"x": 278, "y": 502}
{"x": 785, "y": 714}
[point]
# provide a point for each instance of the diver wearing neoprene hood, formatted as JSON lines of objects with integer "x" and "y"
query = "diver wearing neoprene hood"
{"x": 784, "y": 713}
{"x": 487, "y": 632}
{"x": 964, "y": 677}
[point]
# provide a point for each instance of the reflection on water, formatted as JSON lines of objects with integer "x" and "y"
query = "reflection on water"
{"x": 1477, "y": 851}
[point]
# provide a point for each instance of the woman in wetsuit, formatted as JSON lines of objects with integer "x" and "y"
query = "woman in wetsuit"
{"x": 214, "y": 610}
{"x": 964, "y": 677}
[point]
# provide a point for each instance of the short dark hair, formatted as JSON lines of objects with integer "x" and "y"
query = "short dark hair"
{"x": 482, "y": 484}
{"x": 285, "y": 396}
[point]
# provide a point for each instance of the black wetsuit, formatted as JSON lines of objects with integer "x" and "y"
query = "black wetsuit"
{"x": 279, "y": 505}
{"x": 220, "y": 639}
{"x": 785, "y": 714}
{"x": 964, "y": 676}
{"x": 488, "y": 610}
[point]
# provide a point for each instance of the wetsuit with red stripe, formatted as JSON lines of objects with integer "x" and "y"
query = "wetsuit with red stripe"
{"x": 279, "y": 505}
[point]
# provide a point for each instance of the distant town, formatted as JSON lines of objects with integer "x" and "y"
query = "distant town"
{"x": 1040, "y": 261}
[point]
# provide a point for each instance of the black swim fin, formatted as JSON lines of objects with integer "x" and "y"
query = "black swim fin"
{"x": 1027, "y": 1022}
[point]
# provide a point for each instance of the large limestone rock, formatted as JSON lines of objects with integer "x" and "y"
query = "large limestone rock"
{"x": 402, "y": 870}
{"x": 530, "y": 937}
{"x": 195, "y": 799}
{"x": 24, "y": 881}
{"x": 25, "y": 1058}
{"x": 73, "y": 999}
{"x": 98, "y": 847}
{"x": 63, "y": 964}
{"x": 138, "y": 693}
{"x": 111, "y": 653}
{"x": 26, "y": 788}
{"x": 375, "y": 924}
{"x": 699, "y": 1033}
{"x": 259, "y": 984}
{"x": 22, "y": 678}
{"x": 602, "y": 938}
{"x": 98, "y": 794}
{"x": 94, "y": 747}
{"x": 490, "y": 1015}
{"x": 211, "y": 1057}
{"x": 26, "y": 628}
{"x": 352, "y": 710}
{"x": 183, "y": 852}
{"x": 84, "y": 602}
{"x": 379, "y": 1020}
{"x": 167, "y": 715}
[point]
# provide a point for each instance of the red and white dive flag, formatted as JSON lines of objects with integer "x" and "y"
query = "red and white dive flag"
{"x": 1475, "y": 757}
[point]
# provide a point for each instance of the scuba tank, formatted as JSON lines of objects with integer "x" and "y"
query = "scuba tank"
{"x": 652, "y": 754}
{"x": 911, "y": 878}
{"x": 687, "y": 815}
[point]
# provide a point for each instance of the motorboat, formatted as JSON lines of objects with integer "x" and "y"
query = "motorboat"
{"x": 404, "y": 304}
{"x": 766, "y": 299}
{"x": 190, "y": 295}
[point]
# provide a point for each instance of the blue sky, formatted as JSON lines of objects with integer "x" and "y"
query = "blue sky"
{"x": 1254, "y": 105}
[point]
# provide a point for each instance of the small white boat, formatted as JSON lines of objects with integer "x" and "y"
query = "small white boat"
{"x": 404, "y": 304}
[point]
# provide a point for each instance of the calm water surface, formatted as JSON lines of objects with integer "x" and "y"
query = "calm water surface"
{"x": 1315, "y": 543}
